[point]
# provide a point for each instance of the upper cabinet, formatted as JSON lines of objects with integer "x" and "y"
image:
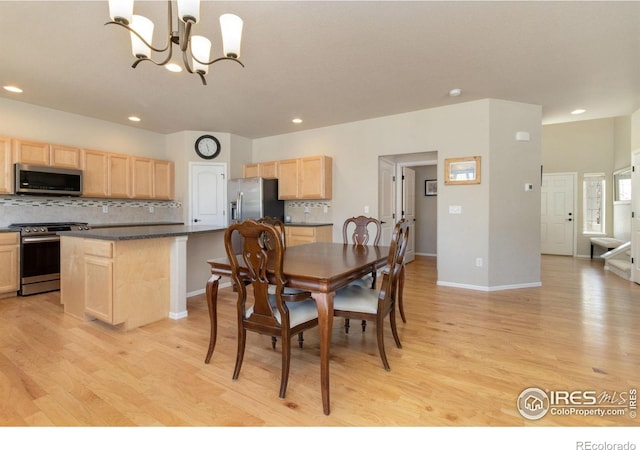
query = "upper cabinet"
{"x": 119, "y": 176}
{"x": 95, "y": 173}
{"x": 264, "y": 170}
{"x": 288, "y": 175}
{"x": 28, "y": 152}
{"x": 43, "y": 154}
{"x": 61, "y": 156}
{"x": 116, "y": 175}
{"x": 6, "y": 174}
{"x": 104, "y": 174}
{"x": 142, "y": 177}
{"x": 315, "y": 179}
{"x": 302, "y": 178}
{"x": 163, "y": 180}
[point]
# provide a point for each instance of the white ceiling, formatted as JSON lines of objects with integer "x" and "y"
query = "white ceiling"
{"x": 329, "y": 62}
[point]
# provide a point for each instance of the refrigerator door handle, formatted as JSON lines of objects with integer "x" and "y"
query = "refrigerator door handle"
{"x": 239, "y": 200}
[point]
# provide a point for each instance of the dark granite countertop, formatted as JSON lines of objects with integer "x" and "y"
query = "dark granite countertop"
{"x": 306, "y": 224}
{"x": 141, "y": 232}
{"x": 138, "y": 224}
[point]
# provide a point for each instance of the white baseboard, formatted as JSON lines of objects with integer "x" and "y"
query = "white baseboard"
{"x": 489, "y": 288}
{"x": 426, "y": 254}
{"x": 204, "y": 290}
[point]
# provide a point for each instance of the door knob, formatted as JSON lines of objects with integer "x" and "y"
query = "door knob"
{"x": 196, "y": 220}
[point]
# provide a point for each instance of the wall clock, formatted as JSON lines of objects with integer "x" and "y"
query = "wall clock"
{"x": 207, "y": 146}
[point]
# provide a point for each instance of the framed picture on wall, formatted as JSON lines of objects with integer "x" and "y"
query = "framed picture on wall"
{"x": 462, "y": 170}
{"x": 430, "y": 187}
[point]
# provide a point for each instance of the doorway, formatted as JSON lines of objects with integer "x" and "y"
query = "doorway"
{"x": 207, "y": 194}
{"x": 557, "y": 215}
{"x": 407, "y": 198}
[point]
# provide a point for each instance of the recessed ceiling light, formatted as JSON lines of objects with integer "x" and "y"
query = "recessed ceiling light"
{"x": 297, "y": 120}
{"x": 134, "y": 118}
{"x": 575, "y": 112}
{"x": 455, "y": 92}
{"x": 15, "y": 89}
{"x": 172, "y": 67}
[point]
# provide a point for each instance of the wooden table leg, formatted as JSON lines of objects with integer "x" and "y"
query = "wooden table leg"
{"x": 324, "y": 302}
{"x": 212, "y": 303}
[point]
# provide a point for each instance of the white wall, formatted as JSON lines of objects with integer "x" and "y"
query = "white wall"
{"x": 464, "y": 129}
{"x": 30, "y": 122}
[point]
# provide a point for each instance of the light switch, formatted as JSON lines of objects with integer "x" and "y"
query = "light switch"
{"x": 455, "y": 209}
{"x": 528, "y": 187}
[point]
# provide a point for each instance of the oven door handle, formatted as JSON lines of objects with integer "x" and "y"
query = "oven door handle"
{"x": 34, "y": 240}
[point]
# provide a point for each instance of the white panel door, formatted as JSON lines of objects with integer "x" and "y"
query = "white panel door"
{"x": 635, "y": 216}
{"x": 386, "y": 194}
{"x": 557, "y": 215}
{"x": 207, "y": 194}
{"x": 409, "y": 209}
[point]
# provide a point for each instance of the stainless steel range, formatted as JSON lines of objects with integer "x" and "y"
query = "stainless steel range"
{"x": 40, "y": 255}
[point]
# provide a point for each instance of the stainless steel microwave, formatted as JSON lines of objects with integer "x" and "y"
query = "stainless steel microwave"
{"x": 44, "y": 180}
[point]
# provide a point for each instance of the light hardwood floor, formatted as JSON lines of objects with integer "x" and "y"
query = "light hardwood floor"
{"x": 466, "y": 357}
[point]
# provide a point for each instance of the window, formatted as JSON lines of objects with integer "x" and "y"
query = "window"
{"x": 622, "y": 185}
{"x": 593, "y": 203}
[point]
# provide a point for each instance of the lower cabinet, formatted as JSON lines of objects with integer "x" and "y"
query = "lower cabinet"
{"x": 123, "y": 283}
{"x": 9, "y": 264}
{"x": 307, "y": 234}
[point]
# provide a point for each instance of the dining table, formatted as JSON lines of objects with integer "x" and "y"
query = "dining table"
{"x": 320, "y": 268}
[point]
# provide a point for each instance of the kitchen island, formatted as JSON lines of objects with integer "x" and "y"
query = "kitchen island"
{"x": 127, "y": 276}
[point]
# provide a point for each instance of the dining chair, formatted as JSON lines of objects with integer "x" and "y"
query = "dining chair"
{"x": 279, "y": 314}
{"x": 358, "y": 227}
{"x": 360, "y": 302}
{"x": 279, "y": 226}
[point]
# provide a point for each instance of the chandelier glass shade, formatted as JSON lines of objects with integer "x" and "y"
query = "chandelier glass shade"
{"x": 195, "y": 49}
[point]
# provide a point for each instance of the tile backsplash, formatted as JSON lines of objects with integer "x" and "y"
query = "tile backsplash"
{"x": 309, "y": 211}
{"x": 32, "y": 209}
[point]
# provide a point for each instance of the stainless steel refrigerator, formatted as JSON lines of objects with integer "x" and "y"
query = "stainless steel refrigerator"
{"x": 253, "y": 198}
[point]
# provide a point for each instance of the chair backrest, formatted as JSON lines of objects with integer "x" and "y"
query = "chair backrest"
{"x": 360, "y": 235}
{"x": 261, "y": 250}
{"x": 279, "y": 224}
{"x": 395, "y": 261}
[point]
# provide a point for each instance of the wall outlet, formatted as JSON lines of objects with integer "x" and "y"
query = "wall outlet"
{"x": 105, "y": 209}
{"x": 151, "y": 209}
{"x": 366, "y": 210}
{"x": 478, "y": 262}
{"x": 325, "y": 209}
{"x": 307, "y": 210}
{"x": 455, "y": 209}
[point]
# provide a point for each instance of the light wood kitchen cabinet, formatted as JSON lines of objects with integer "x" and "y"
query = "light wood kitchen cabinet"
{"x": 9, "y": 264}
{"x": 95, "y": 173}
{"x": 43, "y": 154}
{"x": 305, "y": 235}
{"x": 142, "y": 177}
{"x": 29, "y": 152}
{"x": 119, "y": 178}
{"x": 62, "y": 156}
{"x": 250, "y": 170}
{"x": 124, "y": 283}
{"x": 264, "y": 169}
{"x": 288, "y": 179}
{"x": 6, "y": 167}
{"x": 315, "y": 177}
{"x": 163, "y": 180}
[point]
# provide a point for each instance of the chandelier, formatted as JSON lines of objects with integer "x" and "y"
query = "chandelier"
{"x": 195, "y": 49}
